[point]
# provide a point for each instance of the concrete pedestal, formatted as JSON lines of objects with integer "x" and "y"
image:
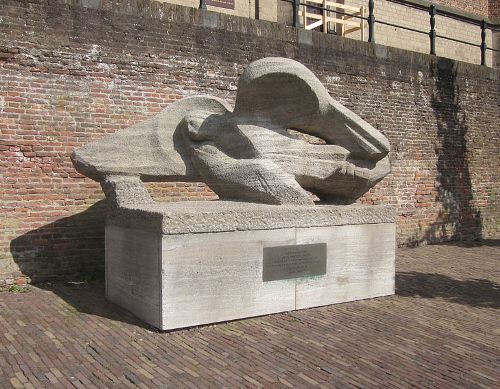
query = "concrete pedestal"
{"x": 185, "y": 264}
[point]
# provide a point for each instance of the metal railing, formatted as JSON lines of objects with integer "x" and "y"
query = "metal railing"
{"x": 433, "y": 12}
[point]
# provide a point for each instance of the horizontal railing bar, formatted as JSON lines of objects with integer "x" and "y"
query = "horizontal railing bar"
{"x": 490, "y": 26}
{"x": 448, "y": 14}
{"x": 431, "y": 9}
{"x": 403, "y": 27}
{"x": 442, "y": 12}
{"x": 457, "y": 40}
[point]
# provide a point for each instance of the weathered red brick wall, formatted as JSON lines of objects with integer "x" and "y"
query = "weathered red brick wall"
{"x": 70, "y": 74}
{"x": 478, "y": 7}
{"x": 493, "y": 8}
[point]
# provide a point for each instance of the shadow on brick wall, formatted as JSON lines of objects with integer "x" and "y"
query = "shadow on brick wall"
{"x": 459, "y": 214}
{"x": 478, "y": 293}
{"x": 69, "y": 248}
{"x": 66, "y": 257}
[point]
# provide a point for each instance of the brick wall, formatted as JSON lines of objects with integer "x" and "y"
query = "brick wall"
{"x": 478, "y": 7}
{"x": 71, "y": 74}
{"x": 494, "y": 8}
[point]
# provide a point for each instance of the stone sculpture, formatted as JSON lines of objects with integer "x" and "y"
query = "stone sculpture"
{"x": 182, "y": 264}
{"x": 247, "y": 153}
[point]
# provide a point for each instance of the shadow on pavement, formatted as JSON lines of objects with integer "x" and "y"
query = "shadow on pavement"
{"x": 90, "y": 298}
{"x": 473, "y": 292}
{"x": 476, "y": 243}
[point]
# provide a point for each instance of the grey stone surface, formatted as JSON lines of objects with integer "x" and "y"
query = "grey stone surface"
{"x": 361, "y": 266}
{"x": 218, "y": 216}
{"x": 211, "y": 277}
{"x": 133, "y": 268}
{"x": 248, "y": 153}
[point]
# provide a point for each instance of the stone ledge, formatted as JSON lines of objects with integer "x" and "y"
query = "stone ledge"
{"x": 223, "y": 216}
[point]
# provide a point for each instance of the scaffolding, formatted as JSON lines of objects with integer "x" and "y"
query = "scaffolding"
{"x": 328, "y": 14}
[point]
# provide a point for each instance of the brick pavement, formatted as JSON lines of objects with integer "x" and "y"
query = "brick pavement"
{"x": 441, "y": 330}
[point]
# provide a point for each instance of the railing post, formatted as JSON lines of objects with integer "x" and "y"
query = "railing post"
{"x": 371, "y": 21}
{"x": 432, "y": 32}
{"x": 296, "y": 6}
{"x": 203, "y": 4}
{"x": 483, "y": 42}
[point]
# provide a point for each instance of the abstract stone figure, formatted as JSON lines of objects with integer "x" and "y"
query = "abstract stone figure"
{"x": 248, "y": 153}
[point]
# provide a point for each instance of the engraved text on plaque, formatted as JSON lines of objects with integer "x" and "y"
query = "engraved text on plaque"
{"x": 285, "y": 262}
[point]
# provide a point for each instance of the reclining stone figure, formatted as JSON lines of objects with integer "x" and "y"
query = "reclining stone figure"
{"x": 247, "y": 153}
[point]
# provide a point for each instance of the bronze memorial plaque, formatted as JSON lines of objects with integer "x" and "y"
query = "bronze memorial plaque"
{"x": 302, "y": 260}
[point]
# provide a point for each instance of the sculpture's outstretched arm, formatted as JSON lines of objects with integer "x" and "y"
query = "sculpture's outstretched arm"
{"x": 123, "y": 191}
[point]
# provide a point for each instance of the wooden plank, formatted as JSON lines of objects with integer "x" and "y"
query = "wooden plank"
{"x": 327, "y": 3}
{"x": 348, "y": 31}
{"x": 339, "y": 5}
{"x": 324, "y": 18}
{"x": 362, "y": 22}
{"x": 325, "y": 21}
{"x": 346, "y": 22}
{"x": 314, "y": 25}
{"x": 351, "y": 17}
{"x": 314, "y": 16}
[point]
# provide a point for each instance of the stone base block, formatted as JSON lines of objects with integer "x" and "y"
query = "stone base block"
{"x": 174, "y": 280}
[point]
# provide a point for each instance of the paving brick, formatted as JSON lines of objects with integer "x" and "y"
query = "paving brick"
{"x": 439, "y": 330}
